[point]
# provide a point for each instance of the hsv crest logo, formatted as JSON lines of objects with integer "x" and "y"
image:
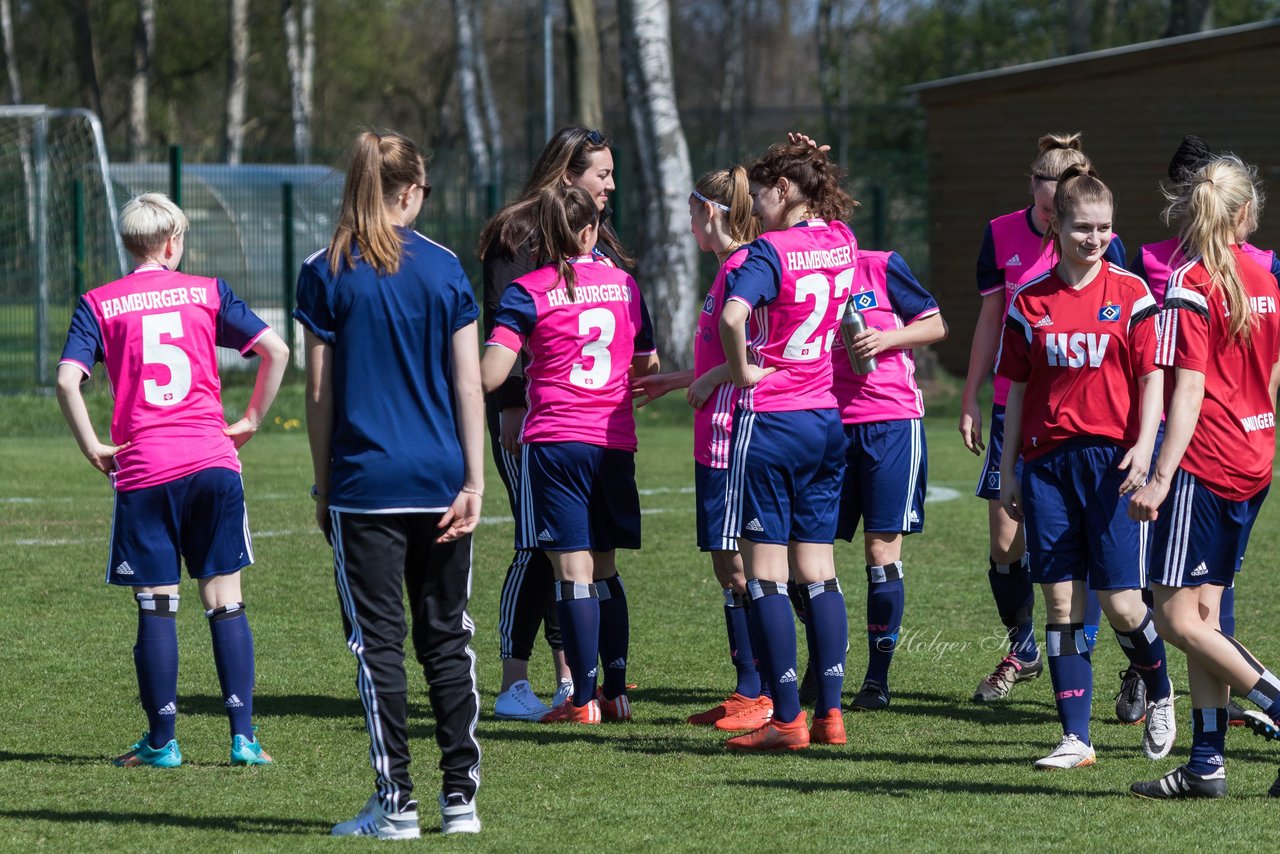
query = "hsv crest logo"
{"x": 993, "y": 480}
{"x": 709, "y": 304}
{"x": 864, "y": 300}
{"x": 1076, "y": 349}
{"x": 1109, "y": 313}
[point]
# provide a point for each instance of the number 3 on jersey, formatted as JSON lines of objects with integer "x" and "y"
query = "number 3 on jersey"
{"x": 171, "y": 356}
{"x": 592, "y": 320}
{"x": 800, "y": 347}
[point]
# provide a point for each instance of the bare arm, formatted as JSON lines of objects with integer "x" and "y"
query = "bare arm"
{"x": 982, "y": 355}
{"x": 273, "y": 356}
{"x": 1184, "y": 412}
{"x": 1150, "y": 408}
{"x": 495, "y": 367}
{"x": 918, "y": 333}
{"x": 1010, "y": 488}
{"x": 319, "y": 406}
{"x": 100, "y": 455}
{"x": 468, "y": 399}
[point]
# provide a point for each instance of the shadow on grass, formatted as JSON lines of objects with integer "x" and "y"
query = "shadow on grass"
{"x": 53, "y": 758}
{"x": 234, "y": 823}
{"x": 910, "y": 788}
{"x": 952, "y": 708}
{"x": 270, "y": 705}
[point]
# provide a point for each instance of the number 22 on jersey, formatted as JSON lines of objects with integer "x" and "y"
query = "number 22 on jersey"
{"x": 800, "y": 346}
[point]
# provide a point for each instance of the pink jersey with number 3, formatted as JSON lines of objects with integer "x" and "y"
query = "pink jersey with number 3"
{"x": 580, "y": 351}
{"x": 157, "y": 332}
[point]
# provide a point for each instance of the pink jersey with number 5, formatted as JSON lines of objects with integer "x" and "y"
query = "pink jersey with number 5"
{"x": 157, "y": 332}
{"x": 580, "y": 351}
{"x": 796, "y": 281}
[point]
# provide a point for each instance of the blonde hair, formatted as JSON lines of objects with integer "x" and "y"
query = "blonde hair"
{"x": 1058, "y": 153}
{"x": 1209, "y": 205}
{"x": 730, "y": 187}
{"x": 380, "y": 167}
{"x": 148, "y": 221}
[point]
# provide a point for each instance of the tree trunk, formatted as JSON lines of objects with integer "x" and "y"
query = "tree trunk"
{"x": 497, "y": 145}
{"x": 10, "y": 52}
{"x": 1079, "y": 26}
{"x": 668, "y": 254}
{"x": 832, "y": 43}
{"x": 299, "y": 18}
{"x": 586, "y": 105}
{"x": 86, "y": 65}
{"x": 144, "y": 40}
{"x": 468, "y": 89}
{"x": 1189, "y": 16}
{"x": 237, "y": 78}
{"x": 733, "y": 106}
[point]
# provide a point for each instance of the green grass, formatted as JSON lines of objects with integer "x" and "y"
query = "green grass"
{"x": 933, "y": 773}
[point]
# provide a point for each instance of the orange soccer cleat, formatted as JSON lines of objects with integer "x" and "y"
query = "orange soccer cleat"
{"x": 568, "y": 713}
{"x": 828, "y": 728}
{"x": 730, "y": 706}
{"x": 617, "y": 709}
{"x": 753, "y": 716}
{"x": 774, "y": 736}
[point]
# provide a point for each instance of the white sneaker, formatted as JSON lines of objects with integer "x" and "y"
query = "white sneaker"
{"x": 373, "y": 820}
{"x": 519, "y": 703}
{"x": 1161, "y": 729}
{"x": 458, "y": 816}
{"x": 1070, "y": 753}
{"x": 564, "y": 693}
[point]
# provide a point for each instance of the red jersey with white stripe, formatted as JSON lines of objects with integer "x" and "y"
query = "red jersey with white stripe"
{"x": 580, "y": 351}
{"x": 1081, "y": 353}
{"x": 1157, "y": 261}
{"x": 713, "y": 422}
{"x": 157, "y": 332}
{"x": 1234, "y": 442}
{"x": 795, "y": 281}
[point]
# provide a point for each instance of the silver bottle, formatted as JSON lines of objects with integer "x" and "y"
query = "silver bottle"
{"x": 851, "y": 323}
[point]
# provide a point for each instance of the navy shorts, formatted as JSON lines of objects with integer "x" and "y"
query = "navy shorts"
{"x": 1200, "y": 537}
{"x": 709, "y": 487}
{"x": 200, "y": 518}
{"x": 989, "y": 481}
{"x": 884, "y": 478}
{"x": 577, "y": 497}
{"x": 1077, "y": 523}
{"x": 785, "y": 471}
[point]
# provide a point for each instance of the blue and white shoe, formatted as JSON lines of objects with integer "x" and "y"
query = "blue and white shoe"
{"x": 519, "y": 703}
{"x": 143, "y": 753}
{"x": 564, "y": 693}
{"x": 1261, "y": 725}
{"x": 457, "y": 815}
{"x": 373, "y": 820}
{"x": 246, "y": 751}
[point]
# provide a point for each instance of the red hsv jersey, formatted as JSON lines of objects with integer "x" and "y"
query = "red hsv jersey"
{"x": 1080, "y": 352}
{"x": 1235, "y": 439}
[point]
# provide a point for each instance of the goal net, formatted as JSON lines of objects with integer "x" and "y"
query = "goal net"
{"x": 57, "y": 234}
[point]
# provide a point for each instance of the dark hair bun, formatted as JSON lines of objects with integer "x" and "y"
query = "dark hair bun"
{"x": 1189, "y": 157}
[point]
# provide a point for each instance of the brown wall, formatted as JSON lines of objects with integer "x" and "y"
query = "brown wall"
{"x": 1133, "y": 107}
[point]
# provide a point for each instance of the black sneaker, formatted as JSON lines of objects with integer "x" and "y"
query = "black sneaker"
{"x": 1131, "y": 702}
{"x": 1181, "y": 783}
{"x": 809, "y": 686}
{"x": 870, "y": 698}
{"x": 1235, "y": 714}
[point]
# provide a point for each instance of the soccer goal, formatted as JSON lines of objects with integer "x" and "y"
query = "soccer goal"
{"x": 57, "y": 233}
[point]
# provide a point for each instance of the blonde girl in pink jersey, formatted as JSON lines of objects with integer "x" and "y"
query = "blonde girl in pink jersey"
{"x": 721, "y": 220}
{"x": 584, "y": 324}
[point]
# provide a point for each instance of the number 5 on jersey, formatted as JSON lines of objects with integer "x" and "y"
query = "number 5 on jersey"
{"x": 154, "y": 352}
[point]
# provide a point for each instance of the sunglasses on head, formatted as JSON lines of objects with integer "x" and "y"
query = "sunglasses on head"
{"x": 595, "y": 137}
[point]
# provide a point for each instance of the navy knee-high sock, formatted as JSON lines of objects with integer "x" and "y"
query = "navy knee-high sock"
{"x": 1092, "y": 617}
{"x": 828, "y": 639}
{"x": 233, "y": 656}
{"x": 776, "y": 628}
{"x": 579, "y": 610}
{"x": 1145, "y": 650}
{"x": 615, "y": 634}
{"x": 885, "y": 602}
{"x": 1227, "y": 612}
{"x": 1072, "y": 672}
{"x": 155, "y": 657}
{"x": 758, "y": 648}
{"x": 1265, "y": 693}
{"x": 740, "y": 652}
{"x": 1208, "y": 740}
{"x": 1015, "y": 603}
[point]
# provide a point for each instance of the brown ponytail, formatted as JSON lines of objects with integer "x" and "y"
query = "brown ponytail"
{"x": 731, "y": 188}
{"x": 1058, "y": 152}
{"x": 381, "y": 165}
{"x": 815, "y": 177}
{"x": 1078, "y": 185}
{"x": 562, "y": 213}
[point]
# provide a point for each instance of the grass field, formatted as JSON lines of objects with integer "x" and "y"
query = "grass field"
{"x": 933, "y": 773}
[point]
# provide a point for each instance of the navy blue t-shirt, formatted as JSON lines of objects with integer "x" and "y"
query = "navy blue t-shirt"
{"x": 395, "y": 444}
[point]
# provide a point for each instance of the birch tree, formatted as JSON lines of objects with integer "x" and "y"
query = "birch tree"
{"x": 733, "y": 100}
{"x": 497, "y": 144}
{"x": 300, "y": 40}
{"x": 468, "y": 89}
{"x": 86, "y": 62}
{"x": 10, "y": 52}
{"x": 237, "y": 78}
{"x": 144, "y": 39}
{"x": 585, "y": 104}
{"x": 668, "y": 254}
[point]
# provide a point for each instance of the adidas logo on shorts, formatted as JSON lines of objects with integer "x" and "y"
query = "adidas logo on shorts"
{"x": 1200, "y": 570}
{"x": 233, "y": 702}
{"x": 755, "y": 526}
{"x": 789, "y": 676}
{"x": 838, "y": 670}
{"x": 617, "y": 664}
{"x": 168, "y": 709}
{"x": 545, "y": 536}
{"x": 123, "y": 568}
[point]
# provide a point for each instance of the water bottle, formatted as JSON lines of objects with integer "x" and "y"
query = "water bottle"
{"x": 851, "y": 323}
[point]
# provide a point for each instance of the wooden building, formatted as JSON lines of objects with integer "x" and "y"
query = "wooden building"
{"x": 1133, "y": 104}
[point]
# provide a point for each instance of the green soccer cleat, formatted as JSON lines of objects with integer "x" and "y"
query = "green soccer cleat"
{"x": 143, "y": 753}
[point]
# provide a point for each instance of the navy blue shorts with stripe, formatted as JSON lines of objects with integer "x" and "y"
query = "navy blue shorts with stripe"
{"x": 1077, "y": 523}
{"x": 200, "y": 518}
{"x": 709, "y": 494}
{"x": 989, "y": 481}
{"x": 578, "y": 497}
{"x": 785, "y": 471}
{"x": 1200, "y": 537}
{"x": 884, "y": 478}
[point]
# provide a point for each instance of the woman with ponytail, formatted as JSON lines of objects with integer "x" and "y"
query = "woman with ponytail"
{"x": 395, "y": 420}
{"x": 722, "y": 223}
{"x": 1015, "y": 251}
{"x": 1084, "y": 405}
{"x": 1221, "y": 343}
{"x": 586, "y": 329}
